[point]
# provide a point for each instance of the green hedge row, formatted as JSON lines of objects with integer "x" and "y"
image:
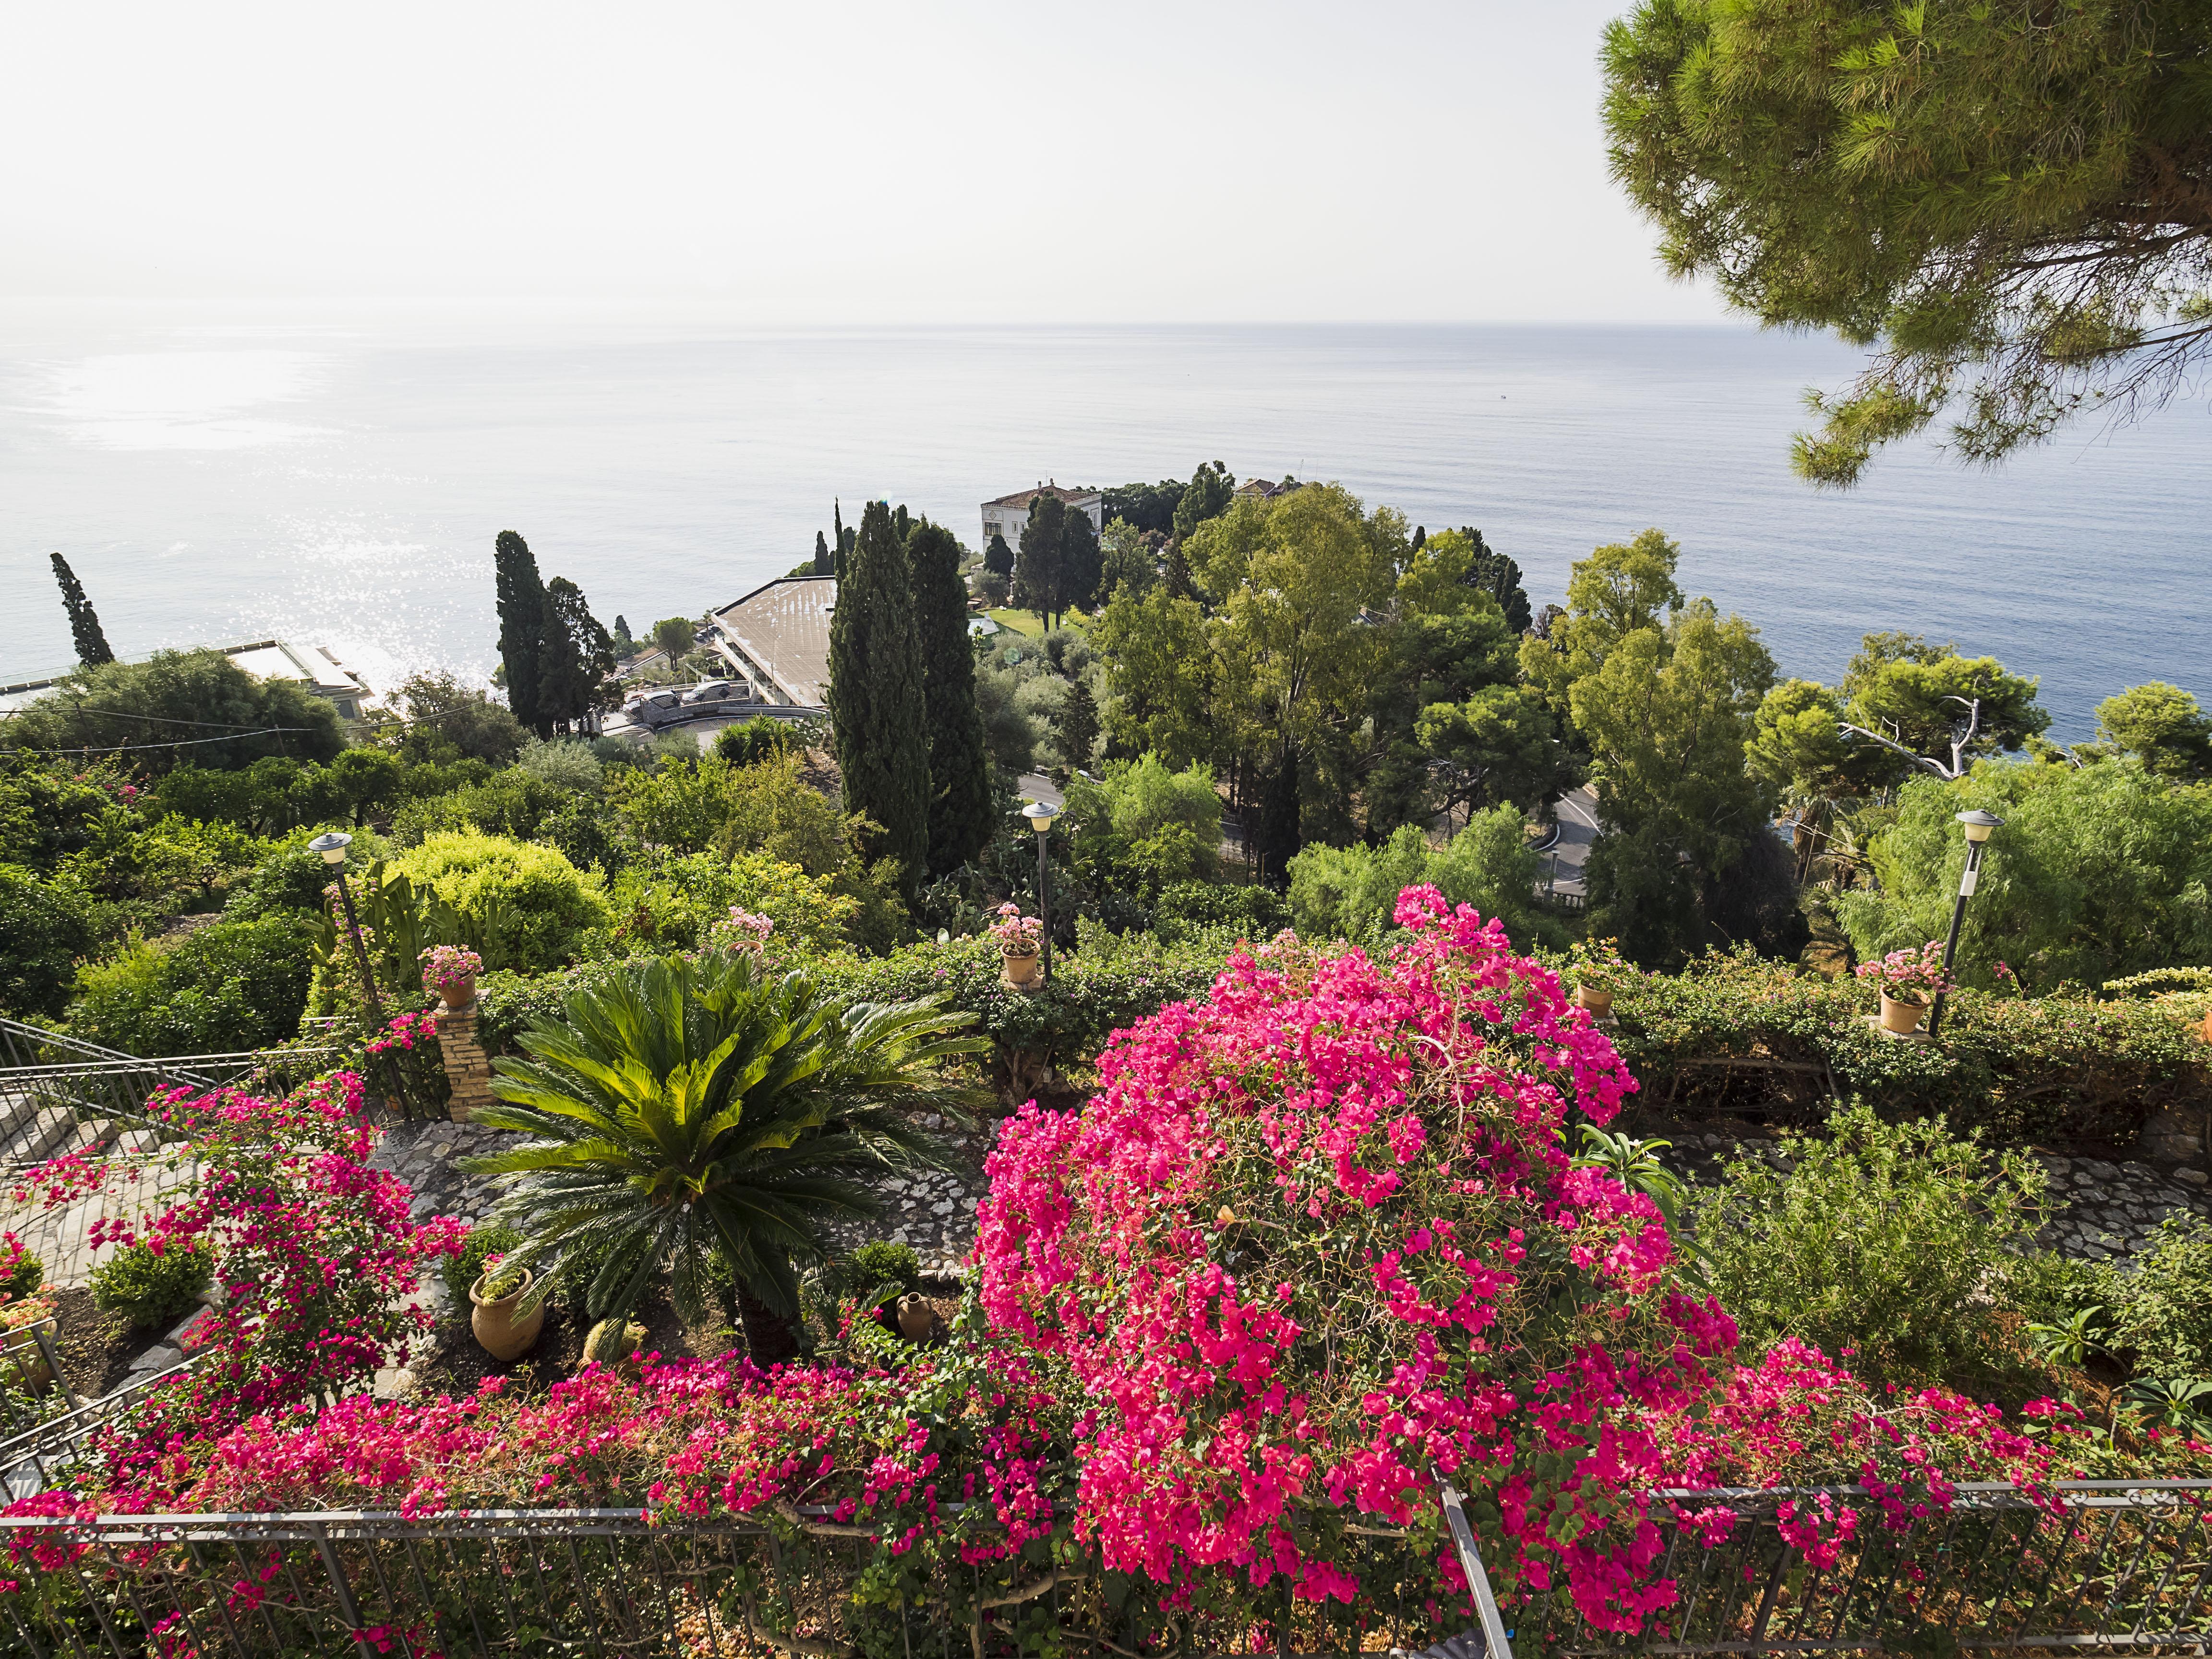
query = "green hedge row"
{"x": 1737, "y": 1033}
{"x": 1732, "y": 1033}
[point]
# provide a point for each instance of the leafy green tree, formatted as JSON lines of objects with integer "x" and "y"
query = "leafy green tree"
{"x": 91, "y": 640}
{"x": 1081, "y": 562}
{"x": 1499, "y": 747}
{"x": 1798, "y": 749}
{"x": 998, "y": 557}
{"x": 2161, "y": 725}
{"x": 1926, "y": 701}
{"x": 1078, "y": 726}
{"x": 1207, "y": 495}
{"x": 138, "y": 706}
{"x": 672, "y": 637}
{"x": 1125, "y": 561}
{"x": 687, "y": 1116}
{"x": 44, "y": 927}
{"x": 236, "y": 986}
{"x": 446, "y": 718}
{"x": 1621, "y": 588}
{"x": 1159, "y": 668}
{"x": 2009, "y": 200}
{"x": 521, "y": 626}
{"x": 1147, "y": 508}
{"x": 2099, "y": 872}
{"x": 960, "y": 816}
{"x": 1352, "y": 892}
{"x": 576, "y": 659}
{"x": 878, "y": 703}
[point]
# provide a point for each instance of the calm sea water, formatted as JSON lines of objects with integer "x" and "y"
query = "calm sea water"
{"x": 343, "y": 483}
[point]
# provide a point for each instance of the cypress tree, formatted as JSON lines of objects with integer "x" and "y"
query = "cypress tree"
{"x": 902, "y": 524}
{"x": 1042, "y": 563}
{"x": 623, "y": 642}
{"x": 998, "y": 557}
{"x": 876, "y": 697}
{"x": 92, "y": 646}
{"x": 1175, "y": 571}
{"x": 1498, "y": 576}
{"x": 824, "y": 564}
{"x": 521, "y": 627}
{"x": 960, "y": 818}
{"x": 1082, "y": 563}
{"x": 575, "y": 658}
{"x": 1078, "y": 720}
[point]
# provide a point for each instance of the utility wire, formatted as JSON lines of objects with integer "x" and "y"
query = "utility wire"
{"x": 158, "y": 719}
{"x": 137, "y": 748}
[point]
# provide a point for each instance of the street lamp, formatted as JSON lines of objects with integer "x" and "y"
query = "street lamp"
{"x": 1978, "y": 825}
{"x": 1041, "y": 817}
{"x": 332, "y": 844}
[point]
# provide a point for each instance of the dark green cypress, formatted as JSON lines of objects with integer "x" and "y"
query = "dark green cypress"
{"x": 1041, "y": 566}
{"x": 521, "y": 627}
{"x": 92, "y": 646}
{"x": 576, "y": 657}
{"x": 998, "y": 557}
{"x": 960, "y": 821}
{"x": 876, "y": 697}
{"x": 824, "y": 563}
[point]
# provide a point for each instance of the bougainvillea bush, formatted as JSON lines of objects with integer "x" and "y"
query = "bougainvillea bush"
{"x": 316, "y": 1254}
{"x": 1317, "y": 1237}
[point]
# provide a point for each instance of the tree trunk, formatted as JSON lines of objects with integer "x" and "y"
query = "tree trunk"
{"x": 770, "y": 1339}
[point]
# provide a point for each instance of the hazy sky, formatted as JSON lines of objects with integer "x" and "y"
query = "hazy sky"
{"x": 858, "y": 162}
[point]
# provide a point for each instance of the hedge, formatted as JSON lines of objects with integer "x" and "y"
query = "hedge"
{"x": 1741, "y": 1034}
{"x": 1731, "y": 1034}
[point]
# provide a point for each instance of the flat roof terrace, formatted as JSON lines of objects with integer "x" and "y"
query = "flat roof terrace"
{"x": 781, "y": 633}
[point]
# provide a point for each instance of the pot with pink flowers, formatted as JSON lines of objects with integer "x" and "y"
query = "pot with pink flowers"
{"x": 1021, "y": 944}
{"x": 451, "y": 971}
{"x": 1909, "y": 981}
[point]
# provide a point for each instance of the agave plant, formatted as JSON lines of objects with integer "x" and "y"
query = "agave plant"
{"x": 704, "y": 1118}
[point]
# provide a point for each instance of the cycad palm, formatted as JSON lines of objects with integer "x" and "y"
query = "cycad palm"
{"x": 681, "y": 1108}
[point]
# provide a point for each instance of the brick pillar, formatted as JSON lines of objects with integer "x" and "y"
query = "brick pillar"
{"x": 468, "y": 1068}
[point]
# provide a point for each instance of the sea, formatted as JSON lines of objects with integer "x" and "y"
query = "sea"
{"x": 337, "y": 478}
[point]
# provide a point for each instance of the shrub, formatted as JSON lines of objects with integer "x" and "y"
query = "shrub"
{"x": 1185, "y": 908}
{"x": 167, "y": 867}
{"x": 514, "y": 802}
{"x": 1348, "y": 892}
{"x": 565, "y": 763}
{"x": 1876, "y": 1241}
{"x": 49, "y": 809}
{"x": 289, "y": 878}
{"x": 2101, "y": 871}
{"x": 152, "y": 1284}
{"x": 751, "y": 742}
{"x": 882, "y": 1262}
{"x": 2163, "y": 1310}
{"x": 690, "y": 805}
{"x": 108, "y": 706}
{"x": 44, "y": 927}
{"x": 464, "y": 1270}
{"x": 237, "y": 985}
{"x": 21, "y": 1272}
{"x": 547, "y": 904}
{"x": 665, "y": 900}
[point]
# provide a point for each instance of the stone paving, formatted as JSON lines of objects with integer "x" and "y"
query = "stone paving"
{"x": 2104, "y": 1211}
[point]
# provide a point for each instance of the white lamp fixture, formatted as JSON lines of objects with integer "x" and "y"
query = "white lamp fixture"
{"x": 1040, "y": 816}
{"x": 1980, "y": 824}
{"x": 331, "y": 844}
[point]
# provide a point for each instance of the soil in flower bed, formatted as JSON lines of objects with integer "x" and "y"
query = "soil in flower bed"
{"x": 559, "y": 1350}
{"x": 96, "y": 1347}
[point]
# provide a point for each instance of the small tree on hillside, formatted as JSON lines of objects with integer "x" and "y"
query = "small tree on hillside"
{"x": 960, "y": 818}
{"x": 877, "y": 700}
{"x": 522, "y": 624}
{"x": 1491, "y": 571}
{"x": 1081, "y": 564}
{"x": 1210, "y": 490}
{"x": 1078, "y": 724}
{"x": 825, "y": 562}
{"x": 92, "y": 648}
{"x": 672, "y": 637}
{"x": 998, "y": 557}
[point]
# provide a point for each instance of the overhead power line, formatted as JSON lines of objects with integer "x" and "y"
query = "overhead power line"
{"x": 138, "y": 748}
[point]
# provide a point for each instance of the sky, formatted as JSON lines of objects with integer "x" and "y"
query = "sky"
{"x": 859, "y": 163}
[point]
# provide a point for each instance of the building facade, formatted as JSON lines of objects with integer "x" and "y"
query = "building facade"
{"x": 1006, "y": 515}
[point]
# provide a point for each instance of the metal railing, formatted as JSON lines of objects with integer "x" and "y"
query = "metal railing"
{"x": 2092, "y": 1564}
{"x": 47, "y": 1426}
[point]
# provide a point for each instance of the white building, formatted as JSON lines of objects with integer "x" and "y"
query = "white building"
{"x": 1006, "y": 515}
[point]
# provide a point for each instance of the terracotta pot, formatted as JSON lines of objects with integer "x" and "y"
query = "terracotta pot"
{"x": 1902, "y": 1018}
{"x": 1022, "y": 972}
{"x": 916, "y": 1318}
{"x": 502, "y": 1333}
{"x": 1600, "y": 1003}
{"x": 458, "y": 995}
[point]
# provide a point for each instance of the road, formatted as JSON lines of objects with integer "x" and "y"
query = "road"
{"x": 1564, "y": 859}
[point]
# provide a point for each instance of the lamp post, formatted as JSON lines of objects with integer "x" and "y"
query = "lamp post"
{"x": 1978, "y": 825}
{"x": 1041, "y": 817}
{"x": 332, "y": 844}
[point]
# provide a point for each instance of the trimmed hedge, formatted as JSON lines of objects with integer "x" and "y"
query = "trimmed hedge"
{"x": 1739, "y": 1033}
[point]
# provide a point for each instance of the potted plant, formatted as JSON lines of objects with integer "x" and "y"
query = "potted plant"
{"x": 1598, "y": 973}
{"x": 23, "y": 1307}
{"x": 1910, "y": 981}
{"x": 451, "y": 970}
{"x": 503, "y": 1332}
{"x": 1021, "y": 943}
